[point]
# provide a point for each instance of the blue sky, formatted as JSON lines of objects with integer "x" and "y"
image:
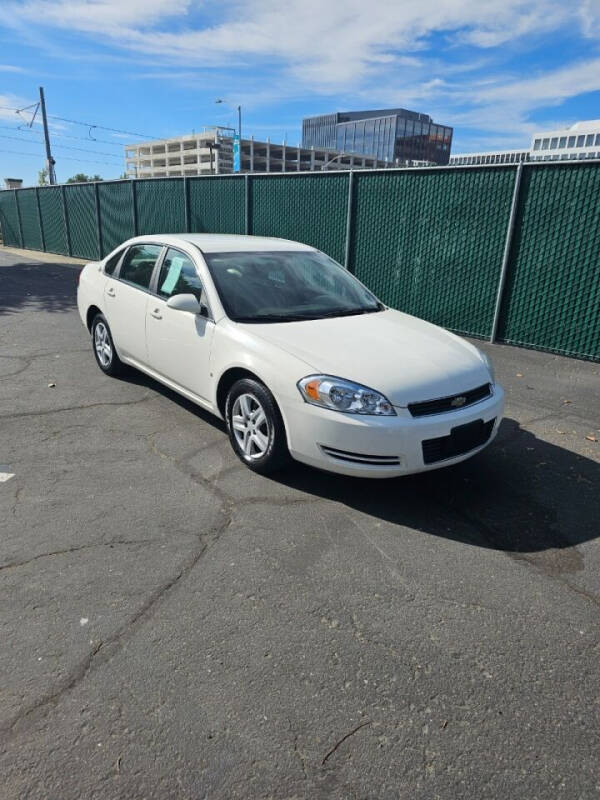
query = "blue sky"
{"x": 496, "y": 70}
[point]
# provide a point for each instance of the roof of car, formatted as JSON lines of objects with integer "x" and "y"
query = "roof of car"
{"x": 225, "y": 242}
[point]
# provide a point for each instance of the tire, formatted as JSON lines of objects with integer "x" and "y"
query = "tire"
{"x": 104, "y": 348}
{"x": 258, "y": 439}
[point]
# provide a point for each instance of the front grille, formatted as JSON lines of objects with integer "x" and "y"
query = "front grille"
{"x": 360, "y": 458}
{"x": 452, "y": 403}
{"x": 461, "y": 440}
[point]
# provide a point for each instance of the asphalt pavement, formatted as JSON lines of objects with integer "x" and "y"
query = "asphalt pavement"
{"x": 174, "y": 626}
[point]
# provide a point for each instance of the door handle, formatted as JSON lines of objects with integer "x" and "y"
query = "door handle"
{"x": 156, "y": 313}
{"x": 111, "y": 292}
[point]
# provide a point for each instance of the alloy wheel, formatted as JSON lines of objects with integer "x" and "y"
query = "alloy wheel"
{"x": 250, "y": 426}
{"x": 102, "y": 344}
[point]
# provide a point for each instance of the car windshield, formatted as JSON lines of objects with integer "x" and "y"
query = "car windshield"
{"x": 286, "y": 286}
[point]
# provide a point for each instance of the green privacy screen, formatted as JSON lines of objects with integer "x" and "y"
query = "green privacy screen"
{"x": 431, "y": 243}
{"x": 80, "y": 201}
{"x": 217, "y": 205}
{"x": 160, "y": 206}
{"x": 306, "y": 208}
{"x": 9, "y": 219}
{"x": 30, "y": 220}
{"x": 116, "y": 214}
{"x": 552, "y": 298}
{"x": 53, "y": 220}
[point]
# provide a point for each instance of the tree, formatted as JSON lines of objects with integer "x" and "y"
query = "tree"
{"x": 43, "y": 177}
{"x": 81, "y": 177}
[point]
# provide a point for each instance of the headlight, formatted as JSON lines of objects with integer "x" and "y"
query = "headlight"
{"x": 488, "y": 362}
{"x": 340, "y": 395}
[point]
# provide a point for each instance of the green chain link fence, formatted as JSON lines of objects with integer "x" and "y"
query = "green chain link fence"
{"x": 552, "y": 296}
{"x": 437, "y": 243}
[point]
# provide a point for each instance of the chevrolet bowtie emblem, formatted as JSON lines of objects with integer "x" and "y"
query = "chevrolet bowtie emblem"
{"x": 459, "y": 401}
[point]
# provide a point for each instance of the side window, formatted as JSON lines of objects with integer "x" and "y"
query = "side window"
{"x": 139, "y": 263}
{"x": 110, "y": 265}
{"x": 178, "y": 276}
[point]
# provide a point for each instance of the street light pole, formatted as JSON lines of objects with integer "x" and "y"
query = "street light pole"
{"x": 239, "y": 110}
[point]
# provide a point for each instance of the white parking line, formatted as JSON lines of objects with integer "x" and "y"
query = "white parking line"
{"x": 5, "y": 475}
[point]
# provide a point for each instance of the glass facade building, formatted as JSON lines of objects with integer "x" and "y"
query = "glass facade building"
{"x": 395, "y": 135}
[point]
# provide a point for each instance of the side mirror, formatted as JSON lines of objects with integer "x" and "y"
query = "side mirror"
{"x": 185, "y": 302}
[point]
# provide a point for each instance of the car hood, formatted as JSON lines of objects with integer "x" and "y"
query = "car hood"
{"x": 407, "y": 359}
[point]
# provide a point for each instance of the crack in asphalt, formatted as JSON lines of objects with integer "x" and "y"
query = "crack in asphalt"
{"x": 297, "y": 751}
{"x": 82, "y": 407}
{"x": 76, "y": 549}
{"x": 343, "y": 739}
{"x": 110, "y": 646}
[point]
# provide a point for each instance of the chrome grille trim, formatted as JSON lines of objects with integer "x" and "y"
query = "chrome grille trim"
{"x": 360, "y": 458}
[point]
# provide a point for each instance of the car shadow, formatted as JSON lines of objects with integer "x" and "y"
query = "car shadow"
{"x": 45, "y": 287}
{"x": 520, "y": 495}
{"x": 132, "y": 375}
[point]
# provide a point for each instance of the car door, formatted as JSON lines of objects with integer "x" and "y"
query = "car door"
{"x": 179, "y": 341}
{"x": 126, "y": 297}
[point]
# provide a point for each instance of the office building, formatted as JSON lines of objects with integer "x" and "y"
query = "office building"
{"x": 579, "y": 141}
{"x": 490, "y": 157}
{"x": 211, "y": 153}
{"x": 395, "y": 135}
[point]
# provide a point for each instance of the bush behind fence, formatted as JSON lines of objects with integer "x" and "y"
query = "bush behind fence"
{"x": 437, "y": 243}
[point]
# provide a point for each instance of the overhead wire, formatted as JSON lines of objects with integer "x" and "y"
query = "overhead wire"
{"x": 56, "y": 135}
{"x": 65, "y": 147}
{"x": 64, "y": 158}
{"x": 89, "y": 125}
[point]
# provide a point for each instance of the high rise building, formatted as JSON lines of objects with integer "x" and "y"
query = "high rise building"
{"x": 395, "y": 135}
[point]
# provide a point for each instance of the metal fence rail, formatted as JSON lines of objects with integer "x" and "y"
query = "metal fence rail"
{"x": 509, "y": 253}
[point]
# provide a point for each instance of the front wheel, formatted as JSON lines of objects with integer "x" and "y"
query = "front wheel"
{"x": 255, "y": 427}
{"x": 104, "y": 347}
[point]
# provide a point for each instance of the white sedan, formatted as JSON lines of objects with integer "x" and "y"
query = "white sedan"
{"x": 292, "y": 351}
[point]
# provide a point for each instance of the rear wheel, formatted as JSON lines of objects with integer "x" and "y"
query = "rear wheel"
{"x": 255, "y": 426}
{"x": 104, "y": 348}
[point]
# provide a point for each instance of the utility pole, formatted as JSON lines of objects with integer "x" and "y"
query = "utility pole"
{"x": 50, "y": 161}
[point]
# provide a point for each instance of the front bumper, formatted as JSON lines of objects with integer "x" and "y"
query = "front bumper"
{"x": 380, "y": 447}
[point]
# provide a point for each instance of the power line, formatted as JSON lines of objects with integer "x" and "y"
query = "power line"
{"x": 66, "y": 147}
{"x": 89, "y": 125}
{"x": 62, "y": 136}
{"x": 64, "y": 158}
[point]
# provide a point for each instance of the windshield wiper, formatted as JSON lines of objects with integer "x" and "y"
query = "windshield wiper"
{"x": 338, "y": 312}
{"x": 348, "y": 312}
{"x": 273, "y": 318}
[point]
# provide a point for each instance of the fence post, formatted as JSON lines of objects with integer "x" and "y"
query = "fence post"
{"x": 39, "y": 208}
{"x": 186, "y": 205}
{"x": 506, "y": 255}
{"x": 134, "y": 206}
{"x": 66, "y": 219}
{"x": 349, "y": 219}
{"x": 247, "y": 204}
{"x": 98, "y": 222}
{"x": 19, "y": 219}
